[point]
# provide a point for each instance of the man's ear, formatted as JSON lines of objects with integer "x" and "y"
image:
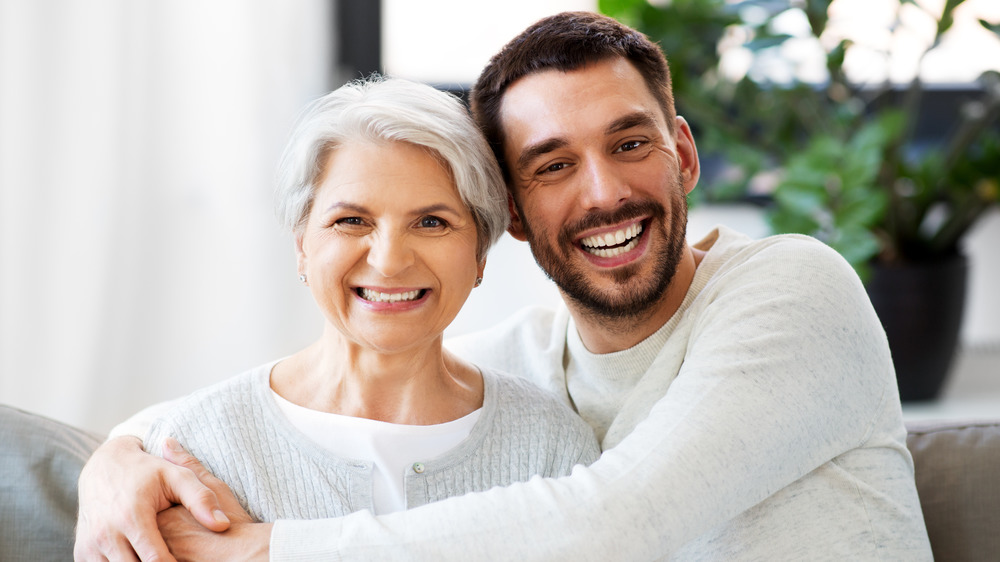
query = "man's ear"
{"x": 687, "y": 154}
{"x": 516, "y": 228}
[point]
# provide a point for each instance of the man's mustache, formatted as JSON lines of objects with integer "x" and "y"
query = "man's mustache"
{"x": 596, "y": 219}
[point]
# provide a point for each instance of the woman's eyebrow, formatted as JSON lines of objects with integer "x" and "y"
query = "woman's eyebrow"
{"x": 436, "y": 208}
{"x": 347, "y": 206}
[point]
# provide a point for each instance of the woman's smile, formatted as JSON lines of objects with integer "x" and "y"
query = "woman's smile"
{"x": 390, "y": 247}
{"x": 391, "y": 300}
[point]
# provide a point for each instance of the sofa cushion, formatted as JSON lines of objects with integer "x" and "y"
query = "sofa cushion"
{"x": 957, "y": 469}
{"x": 40, "y": 461}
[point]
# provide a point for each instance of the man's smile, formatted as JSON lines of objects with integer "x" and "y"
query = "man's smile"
{"x": 613, "y": 243}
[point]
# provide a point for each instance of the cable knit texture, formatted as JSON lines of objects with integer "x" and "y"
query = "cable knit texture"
{"x": 237, "y": 430}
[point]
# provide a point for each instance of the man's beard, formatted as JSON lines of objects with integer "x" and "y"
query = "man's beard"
{"x": 632, "y": 296}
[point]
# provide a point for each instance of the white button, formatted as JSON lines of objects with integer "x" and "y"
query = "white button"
{"x": 418, "y": 467}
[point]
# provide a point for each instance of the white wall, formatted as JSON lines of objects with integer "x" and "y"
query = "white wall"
{"x": 139, "y": 253}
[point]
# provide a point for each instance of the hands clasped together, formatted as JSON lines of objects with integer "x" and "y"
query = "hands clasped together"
{"x": 162, "y": 509}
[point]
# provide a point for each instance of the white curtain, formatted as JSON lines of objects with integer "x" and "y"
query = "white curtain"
{"x": 139, "y": 254}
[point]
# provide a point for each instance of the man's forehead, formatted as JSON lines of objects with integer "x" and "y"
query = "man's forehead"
{"x": 598, "y": 99}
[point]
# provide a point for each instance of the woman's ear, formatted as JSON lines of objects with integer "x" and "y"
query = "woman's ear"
{"x": 516, "y": 228}
{"x": 300, "y": 254}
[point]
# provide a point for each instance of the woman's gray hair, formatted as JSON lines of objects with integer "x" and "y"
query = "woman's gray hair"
{"x": 379, "y": 109}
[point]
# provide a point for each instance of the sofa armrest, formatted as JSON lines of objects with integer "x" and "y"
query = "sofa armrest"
{"x": 957, "y": 470}
{"x": 40, "y": 462}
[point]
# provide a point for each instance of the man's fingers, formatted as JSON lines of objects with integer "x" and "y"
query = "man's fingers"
{"x": 123, "y": 553}
{"x": 193, "y": 488}
{"x": 175, "y": 453}
{"x": 110, "y": 547}
{"x": 147, "y": 551}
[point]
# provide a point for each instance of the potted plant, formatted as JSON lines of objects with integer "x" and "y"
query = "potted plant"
{"x": 842, "y": 161}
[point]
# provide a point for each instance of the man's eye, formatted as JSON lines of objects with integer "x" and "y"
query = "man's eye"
{"x": 554, "y": 167}
{"x": 629, "y": 146}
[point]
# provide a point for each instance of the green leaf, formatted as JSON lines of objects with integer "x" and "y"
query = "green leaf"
{"x": 835, "y": 58}
{"x": 946, "y": 20}
{"x": 781, "y": 220}
{"x": 817, "y": 12}
{"x": 860, "y": 166}
{"x": 803, "y": 198}
{"x": 616, "y": 8}
{"x": 766, "y": 42}
{"x": 864, "y": 211}
{"x": 856, "y": 244}
{"x": 994, "y": 27}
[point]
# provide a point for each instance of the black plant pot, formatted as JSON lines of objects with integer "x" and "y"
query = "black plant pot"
{"x": 920, "y": 306}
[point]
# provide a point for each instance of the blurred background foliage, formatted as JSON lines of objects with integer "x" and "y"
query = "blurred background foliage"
{"x": 828, "y": 156}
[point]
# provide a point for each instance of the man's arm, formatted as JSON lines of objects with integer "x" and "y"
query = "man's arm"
{"x": 121, "y": 490}
{"x": 786, "y": 368}
{"x": 778, "y": 380}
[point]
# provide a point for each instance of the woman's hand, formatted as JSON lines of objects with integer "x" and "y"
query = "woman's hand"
{"x": 122, "y": 488}
{"x": 189, "y": 541}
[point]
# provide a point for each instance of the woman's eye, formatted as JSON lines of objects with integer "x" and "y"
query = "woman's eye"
{"x": 350, "y": 221}
{"x": 431, "y": 222}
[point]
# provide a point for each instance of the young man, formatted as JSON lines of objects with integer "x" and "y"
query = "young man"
{"x": 742, "y": 390}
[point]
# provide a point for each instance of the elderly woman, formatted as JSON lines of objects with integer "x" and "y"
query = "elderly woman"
{"x": 394, "y": 200}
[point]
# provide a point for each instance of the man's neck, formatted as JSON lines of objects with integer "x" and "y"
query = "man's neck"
{"x": 603, "y": 335}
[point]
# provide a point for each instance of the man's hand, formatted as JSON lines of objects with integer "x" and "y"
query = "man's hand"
{"x": 190, "y": 541}
{"x": 122, "y": 489}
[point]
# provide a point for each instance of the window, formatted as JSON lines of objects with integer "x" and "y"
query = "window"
{"x": 447, "y": 42}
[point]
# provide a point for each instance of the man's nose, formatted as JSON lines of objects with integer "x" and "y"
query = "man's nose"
{"x": 603, "y": 188}
{"x": 390, "y": 254}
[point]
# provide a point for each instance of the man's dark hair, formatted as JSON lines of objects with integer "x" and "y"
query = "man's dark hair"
{"x": 566, "y": 41}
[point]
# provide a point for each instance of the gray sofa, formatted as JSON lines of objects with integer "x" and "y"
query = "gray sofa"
{"x": 957, "y": 468}
{"x": 957, "y": 473}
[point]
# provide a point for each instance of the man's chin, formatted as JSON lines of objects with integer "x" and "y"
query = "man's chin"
{"x": 633, "y": 296}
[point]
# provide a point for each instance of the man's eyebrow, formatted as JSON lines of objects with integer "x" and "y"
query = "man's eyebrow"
{"x": 534, "y": 151}
{"x": 625, "y": 122}
{"x": 637, "y": 119}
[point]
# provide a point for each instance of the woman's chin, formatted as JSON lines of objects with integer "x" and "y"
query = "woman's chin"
{"x": 405, "y": 340}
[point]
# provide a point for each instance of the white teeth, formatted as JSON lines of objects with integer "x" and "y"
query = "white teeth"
{"x": 376, "y": 296}
{"x": 598, "y": 244}
{"x": 616, "y": 251}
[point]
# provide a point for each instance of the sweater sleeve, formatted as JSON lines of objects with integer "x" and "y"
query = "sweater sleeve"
{"x": 786, "y": 368}
{"x": 139, "y": 424}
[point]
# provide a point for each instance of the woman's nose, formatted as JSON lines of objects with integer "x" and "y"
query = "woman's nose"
{"x": 603, "y": 187}
{"x": 390, "y": 254}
